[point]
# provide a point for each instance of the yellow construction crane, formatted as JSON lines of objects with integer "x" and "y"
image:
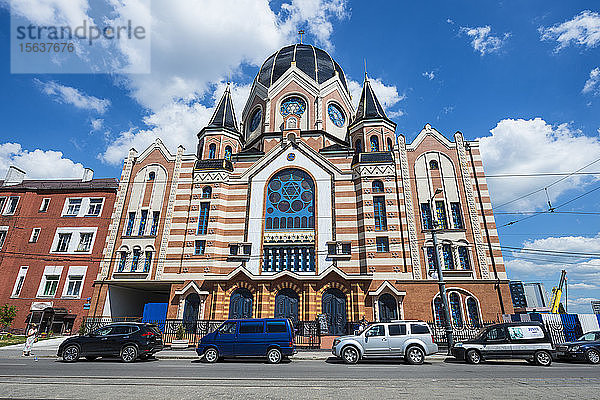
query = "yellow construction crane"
{"x": 557, "y": 293}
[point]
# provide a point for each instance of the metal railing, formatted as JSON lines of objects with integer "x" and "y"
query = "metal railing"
{"x": 463, "y": 332}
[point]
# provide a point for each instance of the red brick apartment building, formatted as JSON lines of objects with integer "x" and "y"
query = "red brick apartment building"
{"x": 52, "y": 233}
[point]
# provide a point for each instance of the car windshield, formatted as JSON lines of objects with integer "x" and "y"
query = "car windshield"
{"x": 480, "y": 334}
{"x": 591, "y": 336}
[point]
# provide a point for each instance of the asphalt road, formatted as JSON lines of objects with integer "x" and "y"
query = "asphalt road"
{"x": 182, "y": 379}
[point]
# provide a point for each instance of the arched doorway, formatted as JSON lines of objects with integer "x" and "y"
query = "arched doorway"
{"x": 191, "y": 310}
{"x": 334, "y": 306}
{"x": 240, "y": 304}
{"x": 388, "y": 308}
{"x": 286, "y": 305}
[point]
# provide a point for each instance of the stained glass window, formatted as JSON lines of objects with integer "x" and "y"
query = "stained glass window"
{"x": 473, "y": 311}
{"x": 255, "y": 121}
{"x": 439, "y": 315}
{"x": 463, "y": 254}
{"x": 203, "y": 220}
{"x": 380, "y": 213}
{"x": 147, "y": 261}
{"x": 390, "y": 146}
{"x": 207, "y": 192}
{"x": 292, "y": 105}
{"x": 374, "y": 143}
{"x": 377, "y": 186}
{"x": 456, "y": 216}
{"x": 448, "y": 259}
{"x": 228, "y": 152}
{"x": 426, "y": 216}
{"x": 290, "y": 201}
{"x": 431, "y": 258}
{"x": 336, "y": 115}
{"x": 455, "y": 309}
{"x": 358, "y": 146}
{"x": 212, "y": 151}
{"x": 440, "y": 211}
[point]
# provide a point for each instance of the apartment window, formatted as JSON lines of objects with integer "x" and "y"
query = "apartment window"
{"x": 233, "y": 249}
{"x": 383, "y": 244}
{"x": 203, "y": 220}
{"x": 457, "y": 221}
{"x": 95, "y": 206}
{"x": 85, "y": 241}
{"x": 199, "y": 247}
{"x": 130, "y": 223}
{"x": 380, "y": 214}
{"x": 63, "y": 242}
{"x": 426, "y": 216}
{"x": 431, "y": 258}
{"x": 50, "y": 285}
{"x": 332, "y": 248}
{"x": 2, "y": 203}
{"x": 440, "y": 212}
{"x": 19, "y": 283}
{"x": 35, "y": 234}
{"x": 147, "y": 261}
{"x": 247, "y": 248}
{"x": 346, "y": 248}
{"x": 74, "y": 283}
{"x": 2, "y": 237}
{"x": 122, "y": 261}
{"x": 143, "y": 221}
{"x": 73, "y": 207}
{"x": 463, "y": 255}
{"x": 11, "y": 207}
{"x": 155, "y": 219}
{"x": 377, "y": 186}
{"x": 136, "y": 259}
{"x": 45, "y": 204}
{"x": 448, "y": 258}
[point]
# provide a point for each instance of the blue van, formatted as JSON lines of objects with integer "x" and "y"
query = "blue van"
{"x": 266, "y": 337}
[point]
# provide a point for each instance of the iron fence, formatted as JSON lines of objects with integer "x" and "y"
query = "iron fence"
{"x": 460, "y": 332}
{"x": 307, "y": 335}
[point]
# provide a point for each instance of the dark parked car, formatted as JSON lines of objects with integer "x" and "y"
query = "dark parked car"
{"x": 271, "y": 338}
{"x": 128, "y": 341}
{"x": 528, "y": 341}
{"x": 586, "y": 348}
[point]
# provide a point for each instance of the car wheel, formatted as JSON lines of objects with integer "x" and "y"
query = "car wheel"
{"x": 90, "y": 358}
{"x": 473, "y": 357}
{"x": 211, "y": 355}
{"x": 71, "y": 353}
{"x": 129, "y": 353}
{"x": 414, "y": 355}
{"x": 274, "y": 356}
{"x": 350, "y": 355}
{"x": 543, "y": 358}
{"x": 593, "y": 356}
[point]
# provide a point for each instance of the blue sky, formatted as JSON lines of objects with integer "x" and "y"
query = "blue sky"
{"x": 523, "y": 76}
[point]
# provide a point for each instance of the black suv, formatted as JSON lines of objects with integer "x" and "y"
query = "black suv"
{"x": 129, "y": 341}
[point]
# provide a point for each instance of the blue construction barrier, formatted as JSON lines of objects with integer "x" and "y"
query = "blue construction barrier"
{"x": 562, "y": 327}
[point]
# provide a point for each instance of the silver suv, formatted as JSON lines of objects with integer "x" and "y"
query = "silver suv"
{"x": 409, "y": 339}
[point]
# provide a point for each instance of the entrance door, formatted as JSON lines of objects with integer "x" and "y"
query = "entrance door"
{"x": 388, "y": 310}
{"x": 286, "y": 305}
{"x": 240, "y": 304}
{"x": 334, "y": 306}
{"x": 190, "y": 312}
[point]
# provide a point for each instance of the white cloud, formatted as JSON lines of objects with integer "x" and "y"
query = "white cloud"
{"x": 429, "y": 75}
{"x": 518, "y": 146}
{"x": 582, "y": 285}
{"x": 582, "y": 30}
{"x": 387, "y": 95}
{"x": 51, "y": 12}
{"x": 40, "y": 164}
{"x": 592, "y": 85}
{"x": 69, "y": 95}
{"x": 97, "y": 124}
{"x": 482, "y": 39}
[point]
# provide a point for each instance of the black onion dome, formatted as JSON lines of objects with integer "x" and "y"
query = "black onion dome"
{"x": 313, "y": 61}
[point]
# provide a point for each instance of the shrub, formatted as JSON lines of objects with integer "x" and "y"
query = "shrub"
{"x": 7, "y": 316}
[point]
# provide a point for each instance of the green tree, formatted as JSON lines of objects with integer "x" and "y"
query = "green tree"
{"x": 7, "y": 315}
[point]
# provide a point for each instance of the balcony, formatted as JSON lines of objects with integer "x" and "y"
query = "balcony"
{"x": 376, "y": 157}
{"x": 214, "y": 164}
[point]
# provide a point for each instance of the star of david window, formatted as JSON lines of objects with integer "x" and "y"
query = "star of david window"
{"x": 292, "y": 105}
{"x": 336, "y": 115}
{"x": 290, "y": 201}
{"x": 255, "y": 121}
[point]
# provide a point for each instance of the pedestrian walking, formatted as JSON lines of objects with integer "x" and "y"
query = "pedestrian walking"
{"x": 31, "y": 336}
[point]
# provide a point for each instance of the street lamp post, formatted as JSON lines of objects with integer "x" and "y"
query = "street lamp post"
{"x": 441, "y": 283}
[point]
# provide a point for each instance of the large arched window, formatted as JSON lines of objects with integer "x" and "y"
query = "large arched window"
{"x": 438, "y": 308}
{"x": 473, "y": 311}
{"x": 292, "y": 105}
{"x": 290, "y": 201}
{"x": 212, "y": 151}
{"x": 228, "y": 151}
{"x": 374, "y": 143}
{"x": 455, "y": 309}
{"x": 377, "y": 186}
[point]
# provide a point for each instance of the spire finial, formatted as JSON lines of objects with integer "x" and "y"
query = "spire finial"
{"x": 301, "y": 33}
{"x": 366, "y": 78}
